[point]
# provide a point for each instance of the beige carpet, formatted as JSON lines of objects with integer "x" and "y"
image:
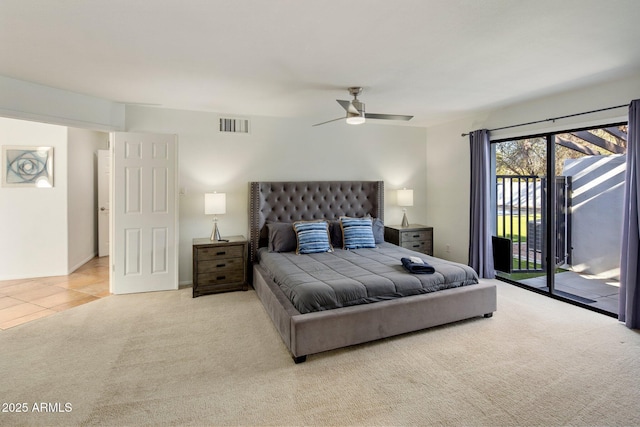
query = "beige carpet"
{"x": 167, "y": 359}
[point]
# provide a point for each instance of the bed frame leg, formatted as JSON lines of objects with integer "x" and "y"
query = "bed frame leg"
{"x": 488, "y": 315}
{"x": 299, "y": 359}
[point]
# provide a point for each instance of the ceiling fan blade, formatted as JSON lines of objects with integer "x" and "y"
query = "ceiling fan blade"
{"x": 348, "y": 105}
{"x": 329, "y": 121}
{"x": 387, "y": 116}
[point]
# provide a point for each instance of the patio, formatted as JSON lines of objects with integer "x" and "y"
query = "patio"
{"x": 587, "y": 289}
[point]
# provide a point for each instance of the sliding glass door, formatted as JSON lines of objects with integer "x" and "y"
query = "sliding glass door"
{"x": 558, "y": 210}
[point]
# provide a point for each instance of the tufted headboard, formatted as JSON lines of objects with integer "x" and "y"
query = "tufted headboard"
{"x": 295, "y": 201}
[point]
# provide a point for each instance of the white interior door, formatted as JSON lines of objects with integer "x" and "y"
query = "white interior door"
{"x": 144, "y": 255}
{"x": 104, "y": 184}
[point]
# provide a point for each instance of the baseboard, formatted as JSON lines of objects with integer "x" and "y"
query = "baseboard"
{"x": 185, "y": 284}
{"x": 30, "y": 276}
{"x": 81, "y": 263}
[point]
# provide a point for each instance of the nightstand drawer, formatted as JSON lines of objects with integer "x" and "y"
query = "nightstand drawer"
{"x": 221, "y": 252}
{"x": 220, "y": 265}
{"x": 416, "y": 237}
{"x": 411, "y": 236}
{"x": 221, "y": 278}
{"x": 415, "y": 246}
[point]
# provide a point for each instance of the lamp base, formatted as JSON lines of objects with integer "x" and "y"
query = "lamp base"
{"x": 405, "y": 221}
{"x": 215, "y": 234}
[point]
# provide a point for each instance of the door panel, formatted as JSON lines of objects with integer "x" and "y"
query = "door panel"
{"x": 160, "y": 190}
{"x": 132, "y": 190}
{"x": 520, "y": 167}
{"x": 144, "y": 213}
{"x": 160, "y": 253}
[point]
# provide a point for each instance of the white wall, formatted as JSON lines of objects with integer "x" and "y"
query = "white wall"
{"x": 280, "y": 150}
{"x": 33, "y": 221}
{"x": 448, "y": 151}
{"x": 50, "y": 231}
{"x": 82, "y": 203}
{"x": 597, "y": 210}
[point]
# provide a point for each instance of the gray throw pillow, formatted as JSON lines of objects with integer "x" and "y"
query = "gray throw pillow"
{"x": 282, "y": 237}
{"x": 378, "y": 230}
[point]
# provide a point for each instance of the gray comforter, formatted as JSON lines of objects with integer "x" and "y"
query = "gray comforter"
{"x": 343, "y": 278}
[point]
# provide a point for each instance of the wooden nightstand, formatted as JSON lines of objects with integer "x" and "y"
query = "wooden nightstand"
{"x": 416, "y": 237}
{"x": 219, "y": 266}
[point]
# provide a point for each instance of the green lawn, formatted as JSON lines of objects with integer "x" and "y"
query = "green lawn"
{"x": 518, "y": 234}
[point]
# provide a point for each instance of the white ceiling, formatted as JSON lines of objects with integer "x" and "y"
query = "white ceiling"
{"x": 435, "y": 59}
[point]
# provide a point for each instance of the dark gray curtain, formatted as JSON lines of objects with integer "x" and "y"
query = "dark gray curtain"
{"x": 480, "y": 248}
{"x": 629, "y": 308}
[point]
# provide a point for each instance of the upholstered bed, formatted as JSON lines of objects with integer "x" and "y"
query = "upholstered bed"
{"x": 451, "y": 294}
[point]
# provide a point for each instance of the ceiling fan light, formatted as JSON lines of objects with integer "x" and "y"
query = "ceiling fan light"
{"x": 355, "y": 119}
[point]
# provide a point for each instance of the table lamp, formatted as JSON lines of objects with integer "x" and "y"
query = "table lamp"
{"x": 215, "y": 204}
{"x": 405, "y": 198}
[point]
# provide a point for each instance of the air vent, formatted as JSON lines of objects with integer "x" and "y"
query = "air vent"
{"x": 234, "y": 125}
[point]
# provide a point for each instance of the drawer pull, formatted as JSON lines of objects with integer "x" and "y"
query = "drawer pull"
{"x": 416, "y": 246}
{"x": 220, "y": 265}
{"x": 221, "y": 253}
{"x": 416, "y": 235}
{"x": 221, "y": 277}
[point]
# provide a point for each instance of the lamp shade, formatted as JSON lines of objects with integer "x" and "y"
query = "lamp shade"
{"x": 405, "y": 197}
{"x": 215, "y": 203}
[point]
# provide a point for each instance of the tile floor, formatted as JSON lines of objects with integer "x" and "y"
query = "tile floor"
{"x": 25, "y": 300}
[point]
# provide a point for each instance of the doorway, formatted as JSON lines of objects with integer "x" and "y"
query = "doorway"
{"x": 104, "y": 194}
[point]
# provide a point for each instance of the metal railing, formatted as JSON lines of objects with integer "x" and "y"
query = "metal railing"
{"x": 520, "y": 217}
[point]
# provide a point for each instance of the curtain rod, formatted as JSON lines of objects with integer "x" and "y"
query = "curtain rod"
{"x": 554, "y": 119}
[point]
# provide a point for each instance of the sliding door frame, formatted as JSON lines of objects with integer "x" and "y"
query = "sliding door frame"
{"x": 550, "y": 203}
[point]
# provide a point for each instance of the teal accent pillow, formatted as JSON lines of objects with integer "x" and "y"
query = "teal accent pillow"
{"x": 312, "y": 236}
{"x": 357, "y": 233}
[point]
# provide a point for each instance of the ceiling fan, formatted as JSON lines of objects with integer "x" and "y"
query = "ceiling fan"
{"x": 356, "y": 114}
